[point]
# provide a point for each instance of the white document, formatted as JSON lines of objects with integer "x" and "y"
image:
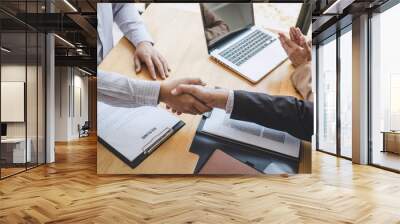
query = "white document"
{"x": 277, "y": 168}
{"x": 131, "y": 131}
{"x": 221, "y": 125}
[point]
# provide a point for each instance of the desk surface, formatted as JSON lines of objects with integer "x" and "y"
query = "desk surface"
{"x": 390, "y": 132}
{"x": 178, "y": 35}
{"x": 13, "y": 140}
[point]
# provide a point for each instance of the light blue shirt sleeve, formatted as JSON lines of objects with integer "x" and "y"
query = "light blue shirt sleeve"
{"x": 121, "y": 91}
{"x": 127, "y": 17}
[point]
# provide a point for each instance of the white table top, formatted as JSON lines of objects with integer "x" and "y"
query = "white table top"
{"x": 13, "y": 140}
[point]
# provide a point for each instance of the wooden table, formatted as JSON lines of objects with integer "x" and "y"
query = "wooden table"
{"x": 391, "y": 141}
{"x": 178, "y": 35}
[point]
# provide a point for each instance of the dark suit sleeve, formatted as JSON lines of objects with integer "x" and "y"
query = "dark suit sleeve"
{"x": 282, "y": 113}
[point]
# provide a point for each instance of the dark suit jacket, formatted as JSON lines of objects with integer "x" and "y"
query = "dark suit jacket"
{"x": 282, "y": 113}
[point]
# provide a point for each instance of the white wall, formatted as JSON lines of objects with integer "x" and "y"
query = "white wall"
{"x": 62, "y": 81}
{"x": 70, "y": 83}
{"x": 12, "y": 73}
{"x": 79, "y": 117}
{"x": 33, "y": 126}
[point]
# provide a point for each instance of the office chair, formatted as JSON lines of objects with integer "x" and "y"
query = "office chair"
{"x": 84, "y": 130}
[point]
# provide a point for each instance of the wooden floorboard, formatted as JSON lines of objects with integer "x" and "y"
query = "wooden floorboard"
{"x": 70, "y": 191}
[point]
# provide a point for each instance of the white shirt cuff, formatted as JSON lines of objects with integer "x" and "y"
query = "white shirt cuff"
{"x": 136, "y": 39}
{"x": 149, "y": 91}
{"x": 229, "y": 102}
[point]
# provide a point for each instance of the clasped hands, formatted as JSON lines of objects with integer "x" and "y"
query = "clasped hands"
{"x": 190, "y": 96}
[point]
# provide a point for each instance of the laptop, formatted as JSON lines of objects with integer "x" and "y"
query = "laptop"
{"x": 234, "y": 41}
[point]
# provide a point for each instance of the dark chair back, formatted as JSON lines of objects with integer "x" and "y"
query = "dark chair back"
{"x": 86, "y": 126}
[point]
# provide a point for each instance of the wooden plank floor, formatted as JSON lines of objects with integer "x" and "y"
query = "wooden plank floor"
{"x": 69, "y": 191}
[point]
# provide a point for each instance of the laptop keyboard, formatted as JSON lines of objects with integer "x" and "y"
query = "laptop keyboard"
{"x": 250, "y": 45}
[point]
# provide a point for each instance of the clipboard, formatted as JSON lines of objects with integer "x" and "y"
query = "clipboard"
{"x": 150, "y": 148}
{"x": 204, "y": 145}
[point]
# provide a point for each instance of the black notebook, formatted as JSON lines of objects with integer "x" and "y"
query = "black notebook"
{"x": 268, "y": 151}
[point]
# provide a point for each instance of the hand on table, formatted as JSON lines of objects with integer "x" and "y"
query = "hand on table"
{"x": 209, "y": 96}
{"x": 145, "y": 53}
{"x": 182, "y": 103}
{"x": 297, "y": 48}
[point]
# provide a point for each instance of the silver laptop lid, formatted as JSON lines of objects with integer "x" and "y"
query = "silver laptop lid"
{"x": 221, "y": 21}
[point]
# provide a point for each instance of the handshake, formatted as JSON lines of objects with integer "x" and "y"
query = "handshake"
{"x": 190, "y": 96}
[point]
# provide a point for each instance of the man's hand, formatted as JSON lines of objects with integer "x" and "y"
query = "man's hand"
{"x": 145, "y": 53}
{"x": 297, "y": 48}
{"x": 182, "y": 103}
{"x": 209, "y": 96}
{"x": 297, "y": 36}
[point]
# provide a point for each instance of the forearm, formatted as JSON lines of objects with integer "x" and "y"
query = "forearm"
{"x": 131, "y": 24}
{"x": 301, "y": 79}
{"x": 119, "y": 90}
{"x": 277, "y": 112}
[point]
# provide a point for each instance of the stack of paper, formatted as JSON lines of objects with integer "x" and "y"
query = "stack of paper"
{"x": 220, "y": 124}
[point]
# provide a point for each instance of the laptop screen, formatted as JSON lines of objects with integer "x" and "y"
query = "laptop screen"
{"x": 222, "y": 20}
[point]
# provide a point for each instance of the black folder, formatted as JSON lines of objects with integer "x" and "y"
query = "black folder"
{"x": 204, "y": 144}
{"x": 148, "y": 151}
